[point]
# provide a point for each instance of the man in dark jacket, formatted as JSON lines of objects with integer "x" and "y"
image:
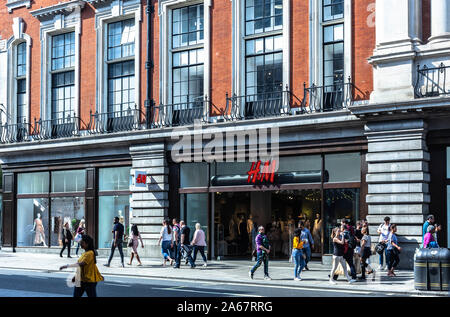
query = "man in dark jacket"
{"x": 66, "y": 239}
{"x": 117, "y": 232}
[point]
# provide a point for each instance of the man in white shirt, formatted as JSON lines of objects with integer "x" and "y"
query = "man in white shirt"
{"x": 384, "y": 230}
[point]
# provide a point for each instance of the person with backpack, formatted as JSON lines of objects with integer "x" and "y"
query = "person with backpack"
{"x": 262, "y": 254}
{"x": 383, "y": 230}
{"x": 349, "y": 248}
{"x": 308, "y": 242}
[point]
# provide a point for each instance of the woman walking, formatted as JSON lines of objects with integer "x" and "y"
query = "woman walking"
{"x": 167, "y": 239}
{"x": 86, "y": 269}
{"x": 393, "y": 251}
{"x": 338, "y": 254}
{"x": 66, "y": 240}
{"x": 199, "y": 243}
{"x": 428, "y": 240}
{"x": 134, "y": 243}
{"x": 79, "y": 233}
{"x": 365, "y": 253}
{"x": 297, "y": 254}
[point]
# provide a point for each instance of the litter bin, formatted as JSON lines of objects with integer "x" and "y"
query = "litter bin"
{"x": 432, "y": 269}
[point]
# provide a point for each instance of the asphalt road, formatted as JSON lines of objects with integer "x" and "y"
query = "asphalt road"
{"x": 28, "y": 283}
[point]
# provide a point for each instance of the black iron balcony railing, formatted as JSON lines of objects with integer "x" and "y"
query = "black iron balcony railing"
{"x": 262, "y": 105}
{"x": 116, "y": 121}
{"x": 56, "y": 128}
{"x": 14, "y": 133}
{"x": 328, "y": 98}
{"x": 179, "y": 114}
{"x": 432, "y": 82}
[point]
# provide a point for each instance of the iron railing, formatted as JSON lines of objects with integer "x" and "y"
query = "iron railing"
{"x": 328, "y": 98}
{"x": 432, "y": 82}
{"x": 116, "y": 121}
{"x": 262, "y": 105}
{"x": 179, "y": 114}
{"x": 14, "y": 133}
{"x": 56, "y": 128}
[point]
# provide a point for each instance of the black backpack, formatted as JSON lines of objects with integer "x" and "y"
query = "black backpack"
{"x": 351, "y": 241}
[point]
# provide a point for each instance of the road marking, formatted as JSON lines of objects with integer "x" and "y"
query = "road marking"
{"x": 204, "y": 292}
{"x": 117, "y": 284}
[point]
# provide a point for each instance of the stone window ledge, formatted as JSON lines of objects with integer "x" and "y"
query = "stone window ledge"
{"x": 14, "y": 4}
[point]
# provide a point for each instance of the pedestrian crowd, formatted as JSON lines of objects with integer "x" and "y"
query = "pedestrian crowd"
{"x": 352, "y": 249}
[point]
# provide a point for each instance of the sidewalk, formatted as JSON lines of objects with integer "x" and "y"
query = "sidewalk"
{"x": 227, "y": 272}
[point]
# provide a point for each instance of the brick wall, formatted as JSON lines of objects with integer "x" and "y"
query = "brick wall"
{"x": 221, "y": 50}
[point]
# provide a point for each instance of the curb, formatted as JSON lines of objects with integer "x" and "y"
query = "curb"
{"x": 414, "y": 292}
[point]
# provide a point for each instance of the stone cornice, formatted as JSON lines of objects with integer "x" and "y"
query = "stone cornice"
{"x": 415, "y": 106}
{"x": 60, "y": 8}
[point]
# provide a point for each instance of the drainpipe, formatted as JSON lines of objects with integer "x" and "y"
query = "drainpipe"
{"x": 149, "y": 102}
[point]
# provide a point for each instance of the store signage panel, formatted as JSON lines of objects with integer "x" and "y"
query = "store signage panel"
{"x": 267, "y": 174}
{"x": 140, "y": 179}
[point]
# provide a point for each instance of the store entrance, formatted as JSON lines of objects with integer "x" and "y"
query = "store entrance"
{"x": 238, "y": 214}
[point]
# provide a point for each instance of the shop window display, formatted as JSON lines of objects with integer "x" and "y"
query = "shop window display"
{"x": 339, "y": 204}
{"x": 32, "y": 222}
{"x": 65, "y": 209}
{"x": 108, "y": 208}
{"x": 238, "y": 215}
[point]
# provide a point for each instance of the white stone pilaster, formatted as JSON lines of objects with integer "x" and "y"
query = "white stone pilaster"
{"x": 398, "y": 33}
{"x": 398, "y": 180}
{"x": 150, "y": 203}
{"x": 440, "y": 20}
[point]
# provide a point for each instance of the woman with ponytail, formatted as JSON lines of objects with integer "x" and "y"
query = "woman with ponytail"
{"x": 87, "y": 269}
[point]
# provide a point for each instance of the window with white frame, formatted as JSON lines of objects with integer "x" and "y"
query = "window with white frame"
{"x": 21, "y": 86}
{"x": 263, "y": 47}
{"x": 187, "y": 55}
{"x": 63, "y": 76}
{"x": 121, "y": 65}
{"x": 333, "y": 42}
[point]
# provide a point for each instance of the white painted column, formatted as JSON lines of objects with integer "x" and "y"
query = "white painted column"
{"x": 398, "y": 33}
{"x": 440, "y": 19}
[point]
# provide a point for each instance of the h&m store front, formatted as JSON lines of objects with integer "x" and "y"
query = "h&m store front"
{"x": 319, "y": 189}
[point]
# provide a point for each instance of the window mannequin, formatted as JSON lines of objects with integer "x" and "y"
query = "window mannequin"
{"x": 317, "y": 233}
{"x": 38, "y": 227}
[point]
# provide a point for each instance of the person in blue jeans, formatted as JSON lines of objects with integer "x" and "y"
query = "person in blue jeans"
{"x": 262, "y": 254}
{"x": 308, "y": 242}
{"x": 393, "y": 251}
{"x": 383, "y": 230}
{"x": 297, "y": 254}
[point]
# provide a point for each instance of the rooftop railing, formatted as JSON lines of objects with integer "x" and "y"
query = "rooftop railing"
{"x": 116, "y": 121}
{"x": 433, "y": 81}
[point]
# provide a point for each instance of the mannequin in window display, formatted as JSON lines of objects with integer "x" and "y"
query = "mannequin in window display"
{"x": 243, "y": 235}
{"x": 274, "y": 235}
{"x": 38, "y": 227}
{"x": 317, "y": 233}
{"x": 232, "y": 229}
{"x": 250, "y": 226}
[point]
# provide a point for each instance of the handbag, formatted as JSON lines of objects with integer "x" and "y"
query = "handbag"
{"x": 77, "y": 237}
{"x": 130, "y": 243}
{"x": 379, "y": 248}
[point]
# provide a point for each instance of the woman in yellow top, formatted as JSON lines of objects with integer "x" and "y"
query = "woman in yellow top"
{"x": 89, "y": 273}
{"x": 297, "y": 254}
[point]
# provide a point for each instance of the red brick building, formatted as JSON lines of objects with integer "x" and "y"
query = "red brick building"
{"x": 78, "y": 106}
